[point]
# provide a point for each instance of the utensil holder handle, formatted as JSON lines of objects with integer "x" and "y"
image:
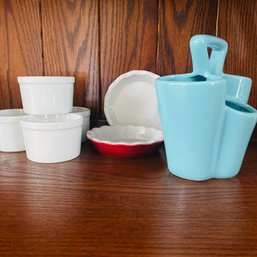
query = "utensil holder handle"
{"x": 202, "y": 64}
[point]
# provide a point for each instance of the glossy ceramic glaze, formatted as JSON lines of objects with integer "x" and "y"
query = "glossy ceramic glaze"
{"x": 126, "y": 141}
{"x": 209, "y": 67}
{"x": 191, "y": 114}
{"x": 50, "y": 139}
{"x": 11, "y": 137}
{"x": 238, "y": 87}
{"x": 201, "y": 129}
{"x": 239, "y": 122}
{"x": 131, "y": 100}
{"x": 46, "y": 95}
{"x": 85, "y": 113}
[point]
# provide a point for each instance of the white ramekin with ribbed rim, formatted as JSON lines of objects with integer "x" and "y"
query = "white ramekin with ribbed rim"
{"x": 11, "y": 137}
{"x": 46, "y": 94}
{"x": 50, "y": 139}
{"x": 85, "y": 113}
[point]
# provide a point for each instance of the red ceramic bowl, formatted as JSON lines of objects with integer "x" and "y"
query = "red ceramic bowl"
{"x": 126, "y": 141}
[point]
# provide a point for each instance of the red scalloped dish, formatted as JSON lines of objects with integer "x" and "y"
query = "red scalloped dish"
{"x": 126, "y": 141}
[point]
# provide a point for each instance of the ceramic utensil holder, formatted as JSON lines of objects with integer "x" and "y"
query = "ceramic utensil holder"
{"x": 205, "y": 134}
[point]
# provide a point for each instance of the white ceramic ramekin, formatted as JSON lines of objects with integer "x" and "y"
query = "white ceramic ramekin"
{"x": 50, "y": 139}
{"x": 11, "y": 138}
{"x": 85, "y": 113}
{"x": 43, "y": 95}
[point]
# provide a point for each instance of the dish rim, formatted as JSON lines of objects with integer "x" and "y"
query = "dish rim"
{"x": 108, "y": 107}
{"x": 91, "y": 133}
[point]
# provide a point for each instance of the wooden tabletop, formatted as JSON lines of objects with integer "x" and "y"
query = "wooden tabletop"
{"x": 99, "y": 206}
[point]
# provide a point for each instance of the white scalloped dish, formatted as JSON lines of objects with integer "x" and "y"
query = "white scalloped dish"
{"x": 131, "y": 100}
{"x": 126, "y": 141}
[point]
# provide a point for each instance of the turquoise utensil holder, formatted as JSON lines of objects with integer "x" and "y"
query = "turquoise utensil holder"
{"x": 205, "y": 134}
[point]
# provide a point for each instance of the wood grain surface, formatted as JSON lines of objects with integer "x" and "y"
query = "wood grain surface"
{"x": 70, "y": 39}
{"x": 5, "y": 95}
{"x": 128, "y": 38}
{"x": 178, "y": 21}
{"x": 98, "y": 206}
{"x": 237, "y": 24}
{"x": 20, "y": 47}
{"x": 97, "y": 40}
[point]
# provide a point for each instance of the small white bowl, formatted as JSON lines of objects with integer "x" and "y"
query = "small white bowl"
{"x": 85, "y": 113}
{"x": 46, "y": 94}
{"x": 126, "y": 141}
{"x": 50, "y": 139}
{"x": 11, "y": 137}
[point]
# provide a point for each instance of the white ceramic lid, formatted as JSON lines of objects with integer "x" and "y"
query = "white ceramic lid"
{"x": 46, "y": 79}
{"x": 11, "y": 115}
{"x": 51, "y": 122}
{"x": 131, "y": 100}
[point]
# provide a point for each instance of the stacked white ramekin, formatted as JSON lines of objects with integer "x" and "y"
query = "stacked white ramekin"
{"x": 49, "y": 128}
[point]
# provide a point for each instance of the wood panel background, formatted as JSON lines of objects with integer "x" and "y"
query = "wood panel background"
{"x": 97, "y": 40}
